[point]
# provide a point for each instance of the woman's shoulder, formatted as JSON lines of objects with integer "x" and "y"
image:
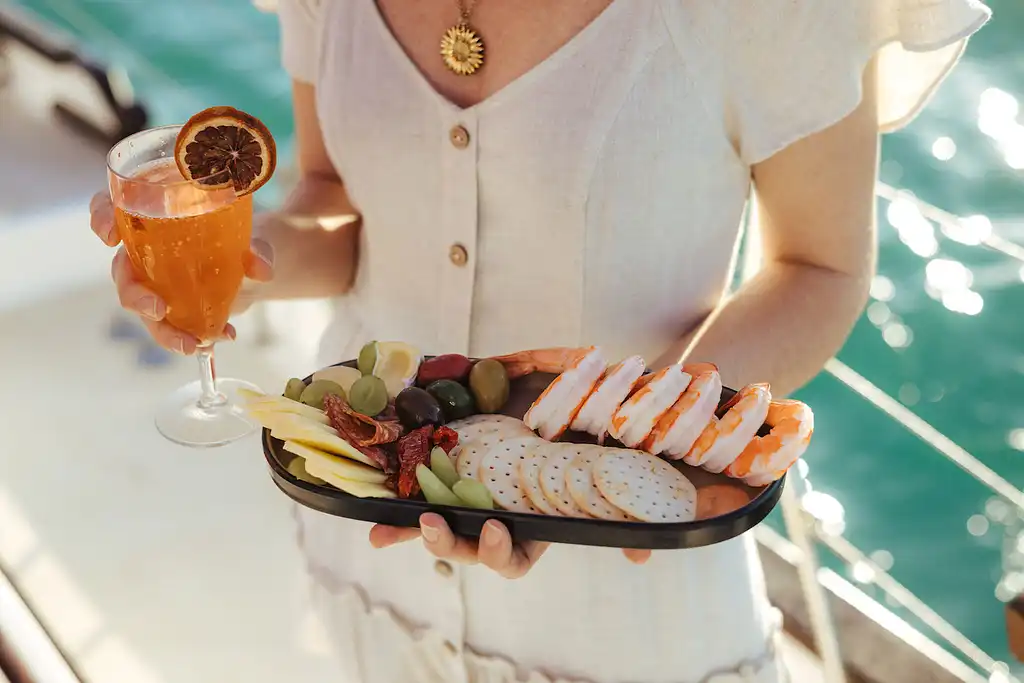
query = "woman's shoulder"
{"x": 788, "y": 68}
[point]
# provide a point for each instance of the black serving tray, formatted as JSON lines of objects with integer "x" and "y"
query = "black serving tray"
{"x": 526, "y": 526}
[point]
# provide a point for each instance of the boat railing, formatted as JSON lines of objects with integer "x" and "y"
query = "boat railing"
{"x": 807, "y": 528}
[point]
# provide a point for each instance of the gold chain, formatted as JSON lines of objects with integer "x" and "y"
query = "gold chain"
{"x": 466, "y": 10}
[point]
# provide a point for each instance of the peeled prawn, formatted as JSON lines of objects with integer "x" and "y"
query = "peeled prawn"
{"x": 766, "y": 458}
{"x": 595, "y": 415}
{"x": 556, "y": 408}
{"x": 633, "y": 421}
{"x": 679, "y": 428}
{"x": 723, "y": 439}
{"x": 553, "y": 360}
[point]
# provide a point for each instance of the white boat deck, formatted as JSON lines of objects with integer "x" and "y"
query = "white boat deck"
{"x": 146, "y": 562}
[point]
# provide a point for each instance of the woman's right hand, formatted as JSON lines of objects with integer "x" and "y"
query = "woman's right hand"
{"x": 135, "y": 297}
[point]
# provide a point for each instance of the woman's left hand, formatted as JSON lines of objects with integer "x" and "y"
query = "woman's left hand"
{"x": 494, "y": 549}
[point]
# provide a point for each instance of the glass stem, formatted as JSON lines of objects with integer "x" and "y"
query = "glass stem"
{"x": 209, "y": 396}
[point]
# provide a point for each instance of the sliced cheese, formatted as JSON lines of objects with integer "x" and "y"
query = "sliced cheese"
{"x": 257, "y": 401}
{"x": 360, "y": 489}
{"x": 319, "y": 438}
{"x": 272, "y": 419}
{"x": 339, "y": 467}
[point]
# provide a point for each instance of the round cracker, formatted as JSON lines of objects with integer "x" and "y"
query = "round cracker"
{"x": 468, "y": 456}
{"x": 579, "y": 480}
{"x": 475, "y": 426}
{"x": 645, "y": 486}
{"x": 477, "y": 434}
{"x": 557, "y": 457}
{"x": 498, "y": 473}
{"x": 528, "y": 471}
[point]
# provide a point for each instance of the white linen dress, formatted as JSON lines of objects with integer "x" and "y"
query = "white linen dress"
{"x": 595, "y": 200}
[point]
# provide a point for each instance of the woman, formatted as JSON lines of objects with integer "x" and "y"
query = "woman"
{"x": 585, "y": 185}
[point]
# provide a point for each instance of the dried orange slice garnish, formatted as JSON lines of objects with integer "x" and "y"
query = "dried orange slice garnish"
{"x": 223, "y": 147}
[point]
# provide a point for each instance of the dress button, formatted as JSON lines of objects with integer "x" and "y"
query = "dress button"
{"x": 459, "y": 137}
{"x": 443, "y": 568}
{"x": 458, "y": 254}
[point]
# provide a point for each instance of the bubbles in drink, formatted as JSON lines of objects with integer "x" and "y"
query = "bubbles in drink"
{"x": 151, "y": 196}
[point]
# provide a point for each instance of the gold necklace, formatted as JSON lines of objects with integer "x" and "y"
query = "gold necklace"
{"x": 461, "y": 47}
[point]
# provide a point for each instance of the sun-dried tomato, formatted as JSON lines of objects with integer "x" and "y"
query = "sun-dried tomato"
{"x": 413, "y": 449}
{"x": 446, "y": 437}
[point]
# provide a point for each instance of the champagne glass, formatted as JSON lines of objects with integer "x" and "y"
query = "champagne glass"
{"x": 188, "y": 244}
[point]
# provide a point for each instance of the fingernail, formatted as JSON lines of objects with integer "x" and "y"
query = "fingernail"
{"x": 230, "y": 332}
{"x": 179, "y": 345}
{"x": 491, "y": 535}
{"x": 150, "y": 307}
{"x": 264, "y": 252}
{"x": 430, "y": 533}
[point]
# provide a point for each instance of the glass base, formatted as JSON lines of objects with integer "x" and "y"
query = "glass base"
{"x": 184, "y": 421}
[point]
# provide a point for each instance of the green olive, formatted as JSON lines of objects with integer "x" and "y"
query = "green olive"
{"x": 368, "y": 395}
{"x": 313, "y": 395}
{"x": 367, "y": 358}
{"x": 489, "y": 383}
{"x": 294, "y": 388}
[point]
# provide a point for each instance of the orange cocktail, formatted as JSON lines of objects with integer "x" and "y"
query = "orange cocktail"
{"x": 182, "y": 198}
{"x": 187, "y": 243}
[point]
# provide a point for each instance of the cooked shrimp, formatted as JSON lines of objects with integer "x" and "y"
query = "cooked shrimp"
{"x": 595, "y": 416}
{"x": 723, "y": 439}
{"x": 554, "y": 410}
{"x": 635, "y": 418}
{"x": 554, "y": 360}
{"x": 678, "y": 429}
{"x": 766, "y": 458}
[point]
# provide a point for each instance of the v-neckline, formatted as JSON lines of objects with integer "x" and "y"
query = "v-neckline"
{"x": 516, "y": 85}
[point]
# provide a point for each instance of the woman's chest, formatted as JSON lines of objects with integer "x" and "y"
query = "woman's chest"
{"x": 616, "y": 106}
{"x": 515, "y": 38}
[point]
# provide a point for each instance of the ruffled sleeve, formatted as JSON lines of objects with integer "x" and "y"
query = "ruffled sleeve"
{"x": 300, "y": 38}
{"x": 794, "y": 67}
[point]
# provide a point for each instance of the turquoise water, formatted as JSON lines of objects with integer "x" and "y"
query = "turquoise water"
{"x": 960, "y": 371}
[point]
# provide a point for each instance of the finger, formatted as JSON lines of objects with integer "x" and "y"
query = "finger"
{"x": 499, "y": 553}
{"x": 440, "y": 541}
{"x": 131, "y": 293}
{"x": 101, "y": 219}
{"x": 382, "y": 536}
{"x": 170, "y": 337}
{"x": 259, "y": 262}
{"x": 636, "y": 556}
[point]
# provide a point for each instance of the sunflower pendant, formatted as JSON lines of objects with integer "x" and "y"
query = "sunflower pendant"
{"x": 462, "y": 49}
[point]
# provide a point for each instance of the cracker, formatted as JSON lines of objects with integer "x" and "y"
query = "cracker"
{"x": 470, "y": 451}
{"x": 468, "y": 456}
{"x": 557, "y": 457}
{"x": 645, "y": 486}
{"x": 473, "y": 427}
{"x": 528, "y": 472}
{"x": 498, "y": 473}
{"x": 579, "y": 479}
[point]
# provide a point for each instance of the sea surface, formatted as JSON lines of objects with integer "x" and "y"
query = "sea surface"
{"x": 943, "y": 334}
